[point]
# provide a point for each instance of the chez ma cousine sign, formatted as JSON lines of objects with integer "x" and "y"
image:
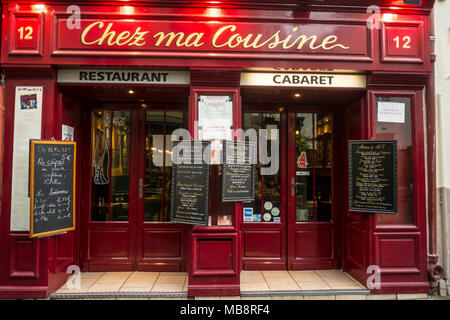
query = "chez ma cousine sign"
{"x": 205, "y": 36}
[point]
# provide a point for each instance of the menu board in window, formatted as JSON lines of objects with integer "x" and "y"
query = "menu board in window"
{"x": 52, "y": 187}
{"x": 238, "y": 176}
{"x": 373, "y": 176}
{"x": 190, "y": 183}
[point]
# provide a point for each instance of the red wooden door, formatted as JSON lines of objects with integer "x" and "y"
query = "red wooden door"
{"x": 312, "y": 202}
{"x": 160, "y": 244}
{"x": 128, "y": 224}
{"x": 110, "y": 172}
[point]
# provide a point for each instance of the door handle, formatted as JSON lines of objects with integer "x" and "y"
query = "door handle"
{"x": 293, "y": 185}
{"x": 141, "y": 188}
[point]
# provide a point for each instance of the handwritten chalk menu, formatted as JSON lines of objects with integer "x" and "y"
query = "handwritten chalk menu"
{"x": 238, "y": 174}
{"x": 373, "y": 176}
{"x": 190, "y": 183}
{"x": 52, "y": 187}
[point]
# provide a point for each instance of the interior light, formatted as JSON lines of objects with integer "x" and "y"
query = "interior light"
{"x": 213, "y": 12}
{"x": 389, "y": 17}
{"x": 131, "y": 91}
{"x": 39, "y": 7}
{"x": 127, "y": 9}
{"x": 297, "y": 95}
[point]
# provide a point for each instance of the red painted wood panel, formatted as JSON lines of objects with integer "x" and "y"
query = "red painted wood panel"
{"x": 215, "y": 254}
{"x": 24, "y": 259}
{"x": 262, "y": 244}
{"x": 162, "y": 244}
{"x": 314, "y": 244}
{"x": 109, "y": 243}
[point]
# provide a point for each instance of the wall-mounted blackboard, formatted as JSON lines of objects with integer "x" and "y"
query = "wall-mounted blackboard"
{"x": 238, "y": 174}
{"x": 52, "y": 187}
{"x": 373, "y": 176}
{"x": 190, "y": 183}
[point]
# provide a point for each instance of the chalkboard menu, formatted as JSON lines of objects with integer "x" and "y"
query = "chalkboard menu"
{"x": 238, "y": 174}
{"x": 190, "y": 183}
{"x": 373, "y": 176}
{"x": 52, "y": 187}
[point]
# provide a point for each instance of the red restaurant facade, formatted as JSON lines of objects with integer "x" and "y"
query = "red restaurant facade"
{"x": 120, "y": 77}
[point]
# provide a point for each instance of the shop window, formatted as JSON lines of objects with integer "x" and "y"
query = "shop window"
{"x": 394, "y": 123}
{"x": 266, "y": 206}
{"x": 110, "y": 165}
{"x": 158, "y": 163}
{"x": 314, "y": 161}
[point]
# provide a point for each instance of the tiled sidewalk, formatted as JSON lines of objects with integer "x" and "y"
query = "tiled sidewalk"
{"x": 254, "y": 284}
{"x": 297, "y": 280}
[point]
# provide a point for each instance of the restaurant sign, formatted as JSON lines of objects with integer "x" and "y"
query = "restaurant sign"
{"x": 123, "y": 76}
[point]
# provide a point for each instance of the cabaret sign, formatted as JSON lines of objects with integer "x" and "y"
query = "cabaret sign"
{"x": 332, "y": 80}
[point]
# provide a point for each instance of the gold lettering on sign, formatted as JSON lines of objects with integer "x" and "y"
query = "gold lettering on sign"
{"x": 99, "y": 33}
{"x": 191, "y": 40}
{"x": 227, "y": 37}
{"x": 112, "y": 37}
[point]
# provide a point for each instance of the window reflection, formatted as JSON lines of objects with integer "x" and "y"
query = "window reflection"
{"x": 400, "y": 131}
{"x": 313, "y": 136}
{"x": 158, "y": 163}
{"x": 266, "y": 206}
{"x": 110, "y": 165}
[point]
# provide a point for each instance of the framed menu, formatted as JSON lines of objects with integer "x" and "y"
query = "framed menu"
{"x": 238, "y": 174}
{"x": 215, "y": 117}
{"x": 373, "y": 176}
{"x": 52, "y": 187}
{"x": 190, "y": 185}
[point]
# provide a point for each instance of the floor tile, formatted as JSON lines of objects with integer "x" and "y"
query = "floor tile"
{"x": 113, "y": 277}
{"x": 107, "y": 287}
{"x": 343, "y": 287}
{"x": 251, "y": 276}
{"x": 171, "y": 279}
{"x": 168, "y": 287}
{"x": 254, "y": 286}
{"x": 135, "y": 289}
{"x": 275, "y": 273}
{"x": 173, "y": 273}
{"x": 313, "y": 285}
{"x": 141, "y": 280}
{"x": 282, "y": 283}
{"x": 305, "y": 276}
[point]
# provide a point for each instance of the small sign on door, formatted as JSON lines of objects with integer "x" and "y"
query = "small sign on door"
{"x": 391, "y": 112}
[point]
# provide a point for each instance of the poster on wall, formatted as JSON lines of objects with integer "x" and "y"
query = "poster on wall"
{"x": 27, "y": 126}
{"x": 373, "y": 176}
{"x": 215, "y": 117}
{"x": 67, "y": 133}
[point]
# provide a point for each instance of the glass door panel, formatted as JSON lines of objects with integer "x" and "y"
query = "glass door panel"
{"x": 266, "y": 207}
{"x": 158, "y": 168}
{"x": 313, "y": 136}
{"x": 110, "y": 165}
